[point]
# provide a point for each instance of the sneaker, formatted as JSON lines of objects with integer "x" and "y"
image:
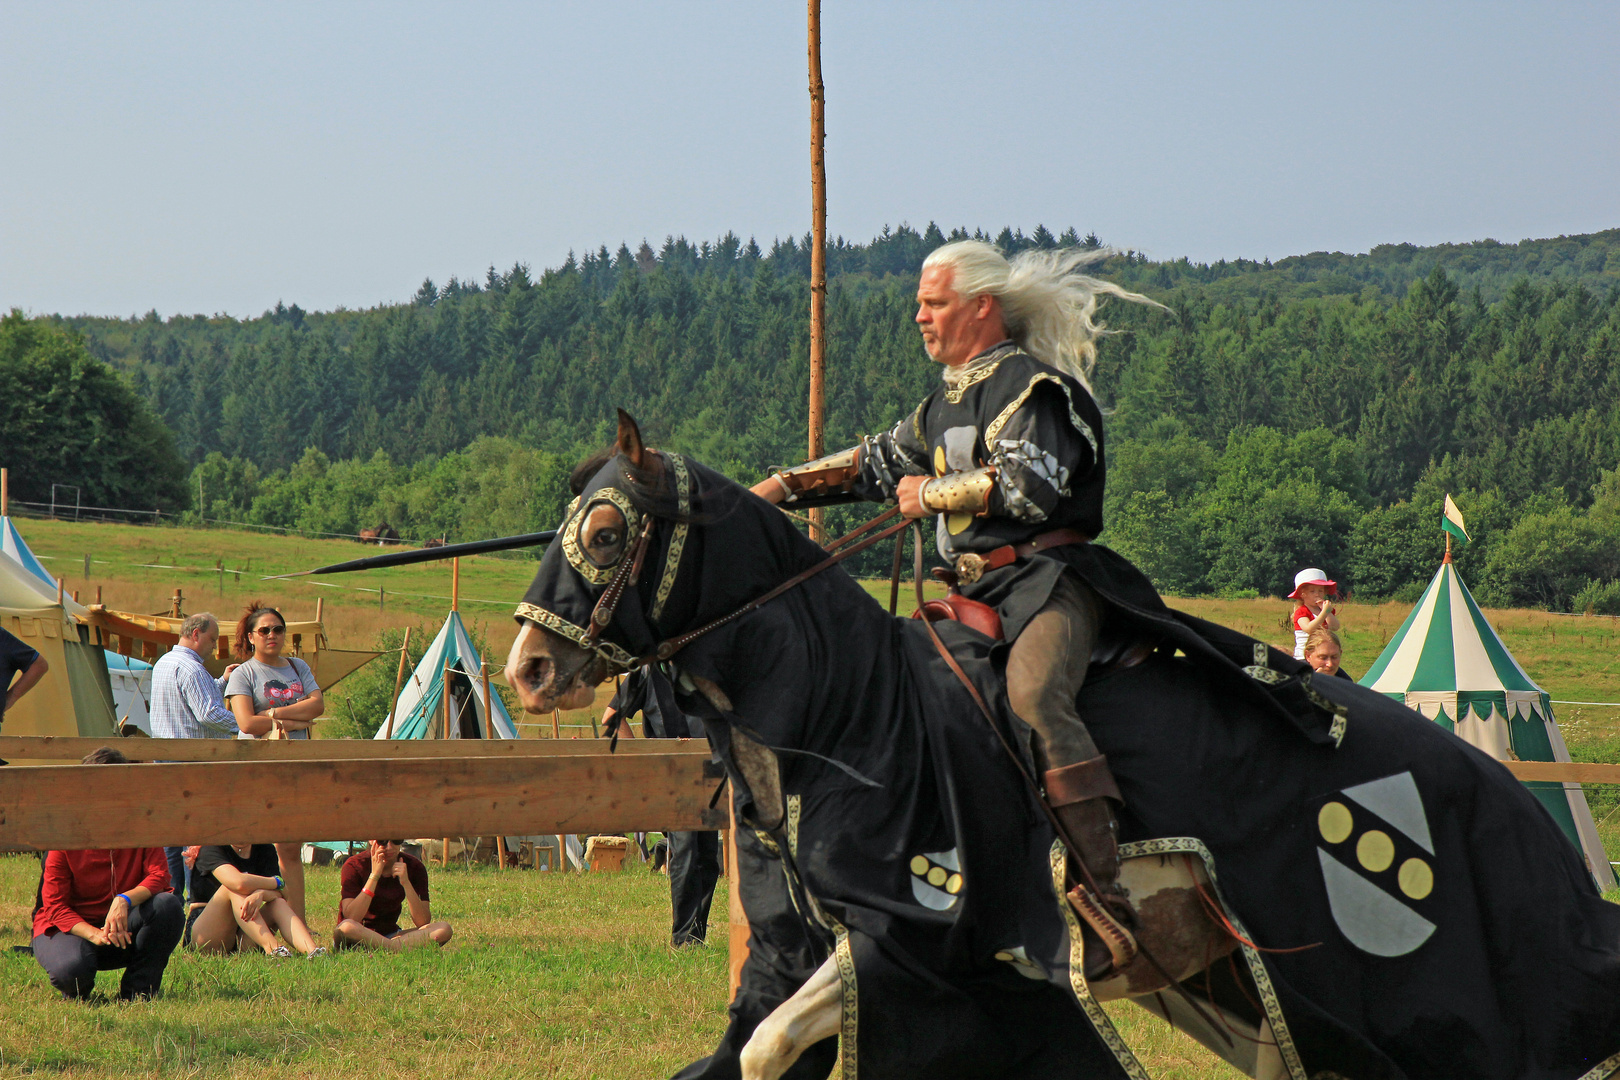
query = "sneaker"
{"x": 318, "y": 952}
{"x": 281, "y": 952}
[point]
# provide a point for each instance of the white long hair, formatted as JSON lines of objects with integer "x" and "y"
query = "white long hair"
{"x": 1046, "y": 302}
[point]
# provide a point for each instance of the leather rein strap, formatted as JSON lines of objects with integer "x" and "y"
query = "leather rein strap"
{"x": 671, "y": 646}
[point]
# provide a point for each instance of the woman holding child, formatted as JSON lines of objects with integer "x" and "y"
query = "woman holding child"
{"x": 276, "y": 696}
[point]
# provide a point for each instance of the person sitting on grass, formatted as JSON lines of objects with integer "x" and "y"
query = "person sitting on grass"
{"x": 241, "y": 890}
{"x": 376, "y": 884}
{"x": 99, "y": 910}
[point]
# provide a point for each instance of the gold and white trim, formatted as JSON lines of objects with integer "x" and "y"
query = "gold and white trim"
{"x": 677, "y": 538}
{"x": 993, "y": 429}
{"x": 598, "y": 575}
{"x": 558, "y": 625}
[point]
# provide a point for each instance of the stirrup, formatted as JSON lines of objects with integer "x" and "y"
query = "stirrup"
{"x": 1119, "y": 941}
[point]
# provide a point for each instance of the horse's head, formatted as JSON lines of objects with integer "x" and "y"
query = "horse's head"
{"x": 676, "y": 583}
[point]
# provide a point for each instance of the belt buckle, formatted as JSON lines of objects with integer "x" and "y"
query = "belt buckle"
{"x": 970, "y": 567}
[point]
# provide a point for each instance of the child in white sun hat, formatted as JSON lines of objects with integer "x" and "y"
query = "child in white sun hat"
{"x": 1312, "y": 589}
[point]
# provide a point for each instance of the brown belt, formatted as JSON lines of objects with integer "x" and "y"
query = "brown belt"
{"x": 971, "y": 565}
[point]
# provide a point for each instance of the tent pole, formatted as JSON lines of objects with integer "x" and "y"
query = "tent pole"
{"x": 455, "y": 583}
{"x": 5, "y": 491}
{"x": 489, "y": 733}
{"x": 444, "y": 733}
{"x": 399, "y": 678}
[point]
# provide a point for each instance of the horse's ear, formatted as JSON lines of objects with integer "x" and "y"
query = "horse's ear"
{"x": 629, "y": 441}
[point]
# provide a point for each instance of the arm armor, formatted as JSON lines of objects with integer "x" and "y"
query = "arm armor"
{"x": 825, "y": 481}
{"x": 960, "y": 492}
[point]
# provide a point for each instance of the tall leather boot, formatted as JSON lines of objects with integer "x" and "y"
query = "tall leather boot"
{"x": 1083, "y": 797}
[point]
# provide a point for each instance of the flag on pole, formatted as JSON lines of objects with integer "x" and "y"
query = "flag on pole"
{"x": 1451, "y": 521}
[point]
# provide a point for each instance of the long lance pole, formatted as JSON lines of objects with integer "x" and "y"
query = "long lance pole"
{"x": 434, "y": 554}
{"x": 818, "y": 254}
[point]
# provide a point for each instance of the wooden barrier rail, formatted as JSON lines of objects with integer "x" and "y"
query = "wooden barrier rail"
{"x": 155, "y": 805}
{"x": 23, "y": 748}
{"x": 1570, "y": 772}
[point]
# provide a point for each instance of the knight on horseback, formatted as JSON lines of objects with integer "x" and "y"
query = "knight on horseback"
{"x": 1007, "y": 455}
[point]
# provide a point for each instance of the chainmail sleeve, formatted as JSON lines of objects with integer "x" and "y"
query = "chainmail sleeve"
{"x": 886, "y": 457}
{"x": 1030, "y": 448}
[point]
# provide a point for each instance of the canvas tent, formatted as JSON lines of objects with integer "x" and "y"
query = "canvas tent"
{"x": 420, "y": 712}
{"x": 75, "y": 697}
{"x": 131, "y": 689}
{"x": 1449, "y": 664}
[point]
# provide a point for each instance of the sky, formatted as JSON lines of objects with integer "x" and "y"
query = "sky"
{"x": 219, "y": 158}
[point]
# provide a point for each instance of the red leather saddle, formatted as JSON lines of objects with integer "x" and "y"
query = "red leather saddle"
{"x": 958, "y": 608}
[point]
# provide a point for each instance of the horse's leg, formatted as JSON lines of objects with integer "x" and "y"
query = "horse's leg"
{"x": 797, "y": 1024}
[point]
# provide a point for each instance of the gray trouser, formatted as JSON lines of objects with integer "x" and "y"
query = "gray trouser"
{"x": 1046, "y": 666}
{"x": 71, "y": 962}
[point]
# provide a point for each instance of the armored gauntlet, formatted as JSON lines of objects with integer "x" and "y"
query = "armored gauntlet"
{"x": 959, "y": 492}
{"x": 822, "y": 482}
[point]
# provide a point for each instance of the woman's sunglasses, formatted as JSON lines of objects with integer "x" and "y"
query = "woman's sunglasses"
{"x": 268, "y": 631}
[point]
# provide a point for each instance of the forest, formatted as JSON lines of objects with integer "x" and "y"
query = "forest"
{"x": 1311, "y": 411}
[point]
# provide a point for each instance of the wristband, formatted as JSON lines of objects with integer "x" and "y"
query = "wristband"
{"x": 369, "y": 893}
{"x": 126, "y": 899}
{"x": 279, "y": 886}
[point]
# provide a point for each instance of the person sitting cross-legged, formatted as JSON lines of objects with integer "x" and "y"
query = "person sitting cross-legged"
{"x": 240, "y": 887}
{"x": 376, "y": 885}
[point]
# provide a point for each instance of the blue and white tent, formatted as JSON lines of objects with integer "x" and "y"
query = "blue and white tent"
{"x": 12, "y": 543}
{"x": 420, "y": 712}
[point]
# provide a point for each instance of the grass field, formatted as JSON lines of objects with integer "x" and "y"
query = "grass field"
{"x": 549, "y": 975}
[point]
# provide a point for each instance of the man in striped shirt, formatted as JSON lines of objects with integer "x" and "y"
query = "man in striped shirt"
{"x": 189, "y": 703}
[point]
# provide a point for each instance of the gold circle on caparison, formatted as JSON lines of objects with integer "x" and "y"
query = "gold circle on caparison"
{"x": 1335, "y": 822}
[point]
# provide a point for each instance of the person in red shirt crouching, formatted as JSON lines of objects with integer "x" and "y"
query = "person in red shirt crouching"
{"x": 376, "y": 885}
{"x": 99, "y": 910}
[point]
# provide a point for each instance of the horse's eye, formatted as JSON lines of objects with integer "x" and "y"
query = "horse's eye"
{"x": 602, "y": 535}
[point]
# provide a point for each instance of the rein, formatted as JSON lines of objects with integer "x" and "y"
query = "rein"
{"x": 671, "y": 646}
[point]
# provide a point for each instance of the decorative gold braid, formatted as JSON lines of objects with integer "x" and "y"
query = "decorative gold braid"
{"x": 1077, "y": 972}
{"x": 916, "y": 428}
{"x": 677, "y": 538}
{"x": 849, "y": 1029}
{"x": 586, "y": 569}
{"x": 1191, "y": 845}
{"x": 954, "y": 394}
{"x": 558, "y": 625}
{"x": 995, "y": 426}
{"x": 793, "y": 825}
{"x": 1604, "y": 1069}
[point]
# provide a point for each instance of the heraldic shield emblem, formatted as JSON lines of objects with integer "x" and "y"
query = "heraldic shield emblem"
{"x": 1378, "y": 865}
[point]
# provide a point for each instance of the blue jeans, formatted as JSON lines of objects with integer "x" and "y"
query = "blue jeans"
{"x": 179, "y": 873}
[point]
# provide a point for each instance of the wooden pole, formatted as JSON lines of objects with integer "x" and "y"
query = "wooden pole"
{"x": 489, "y": 733}
{"x": 5, "y": 491}
{"x": 320, "y": 607}
{"x": 818, "y": 255}
{"x": 399, "y": 679}
{"x": 59, "y": 590}
{"x": 737, "y": 938}
{"x": 455, "y": 583}
{"x": 444, "y": 733}
{"x": 556, "y": 718}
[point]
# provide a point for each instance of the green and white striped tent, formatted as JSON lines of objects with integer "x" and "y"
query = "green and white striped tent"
{"x": 1448, "y": 664}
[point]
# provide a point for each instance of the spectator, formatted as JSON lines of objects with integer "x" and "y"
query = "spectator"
{"x": 241, "y": 888}
{"x": 375, "y": 886}
{"x": 187, "y": 703}
{"x": 1312, "y": 589}
{"x": 15, "y": 657}
{"x": 274, "y": 695}
{"x": 694, "y": 857}
{"x": 99, "y": 910}
{"x": 1322, "y": 652}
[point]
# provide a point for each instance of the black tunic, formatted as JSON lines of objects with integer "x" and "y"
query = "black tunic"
{"x": 1043, "y": 432}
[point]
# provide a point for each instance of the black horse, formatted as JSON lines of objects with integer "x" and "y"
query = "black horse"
{"x": 1404, "y": 907}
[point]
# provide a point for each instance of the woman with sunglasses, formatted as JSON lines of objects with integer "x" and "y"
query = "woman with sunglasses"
{"x": 273, "y": 694}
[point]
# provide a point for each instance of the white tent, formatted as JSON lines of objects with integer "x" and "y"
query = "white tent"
{"x": 131, "y": 689}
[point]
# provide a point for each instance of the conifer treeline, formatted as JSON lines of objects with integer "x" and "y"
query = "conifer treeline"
{"x": 1277, "y": 414}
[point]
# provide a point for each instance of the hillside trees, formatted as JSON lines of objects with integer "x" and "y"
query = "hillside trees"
{"x": 67, "y": 418}
{"x": 1308, "y": 412}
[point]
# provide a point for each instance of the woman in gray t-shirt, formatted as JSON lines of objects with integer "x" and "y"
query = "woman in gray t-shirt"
{"x": 269, "y": 691}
